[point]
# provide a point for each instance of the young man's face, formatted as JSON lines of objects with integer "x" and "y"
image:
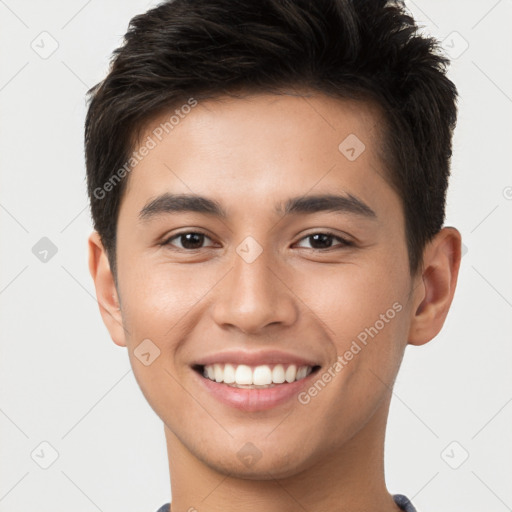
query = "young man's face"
{"x": 258, "y": 280}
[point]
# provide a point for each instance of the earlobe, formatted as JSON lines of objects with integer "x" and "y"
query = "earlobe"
{"x": 106, "y": 292}
{"x": 434, "y": 292}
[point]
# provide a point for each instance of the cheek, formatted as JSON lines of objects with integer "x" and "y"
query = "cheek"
{"x": 156, "y": 298}
{"x": 159, "y": 304}
{"x": 349, "y": 298}
{"x": 364, "y": 311}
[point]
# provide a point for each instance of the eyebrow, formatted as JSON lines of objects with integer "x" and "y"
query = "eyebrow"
{"x": 177, "y": 203}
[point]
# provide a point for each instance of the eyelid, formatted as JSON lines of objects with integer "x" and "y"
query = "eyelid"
{"x": 198, "y": 231}
{"x": 345, "y": 241}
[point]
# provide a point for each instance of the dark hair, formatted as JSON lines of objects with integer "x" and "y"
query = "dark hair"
{"x": 368, "y": 50}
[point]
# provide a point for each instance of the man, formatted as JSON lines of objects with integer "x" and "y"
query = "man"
{"x": 267, "y": 184}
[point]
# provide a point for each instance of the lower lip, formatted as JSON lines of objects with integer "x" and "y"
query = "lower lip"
{"x": 252, "y": 400}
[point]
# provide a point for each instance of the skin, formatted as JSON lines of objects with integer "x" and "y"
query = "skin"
{"x": 250, "y": 154}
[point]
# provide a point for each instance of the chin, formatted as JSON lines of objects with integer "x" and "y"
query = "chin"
{"x": 251, "y": 463}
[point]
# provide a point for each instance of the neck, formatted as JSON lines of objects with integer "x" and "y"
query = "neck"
{"x": 346, "y": 478}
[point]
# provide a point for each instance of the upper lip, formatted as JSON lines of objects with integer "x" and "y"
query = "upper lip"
{"x": 256, "y": 358}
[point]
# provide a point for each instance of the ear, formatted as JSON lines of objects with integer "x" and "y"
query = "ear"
{"x": 106, "y": 292}
{"x": 435, "y": 286}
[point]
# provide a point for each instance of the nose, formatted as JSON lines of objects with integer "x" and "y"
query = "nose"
{"x": 254, "y": 296}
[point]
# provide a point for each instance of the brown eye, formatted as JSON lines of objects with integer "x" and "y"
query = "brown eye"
{"x": 322, "y": 241}
{"x": 189, "y": 240}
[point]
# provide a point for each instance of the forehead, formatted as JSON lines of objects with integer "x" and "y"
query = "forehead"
{"x": 261, "y": 146}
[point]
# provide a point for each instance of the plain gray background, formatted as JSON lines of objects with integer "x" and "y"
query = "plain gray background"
{"x": 65, "y": 384}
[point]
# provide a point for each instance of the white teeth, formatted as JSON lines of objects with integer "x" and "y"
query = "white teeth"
{"x": 278, "y": 375}
{"x": 291, "y": 373}
{"x": 217, "y": 371}
{"x": 243, "y": 374}
{"x": 229, "y": 373}
{"x": 263, "y": 375}
{"x": 301, "y": 372}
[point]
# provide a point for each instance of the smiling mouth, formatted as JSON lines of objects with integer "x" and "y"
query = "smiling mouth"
{"x": 254, "y": 377}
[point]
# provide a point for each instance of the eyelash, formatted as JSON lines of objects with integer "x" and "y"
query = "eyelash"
{"x": 344, "y": 242}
